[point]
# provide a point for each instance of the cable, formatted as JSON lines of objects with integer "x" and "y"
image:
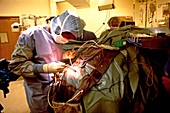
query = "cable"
{"x": 86, "y": 43}
{"x": 108, "y": 13}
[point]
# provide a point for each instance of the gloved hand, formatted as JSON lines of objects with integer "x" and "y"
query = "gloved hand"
{"x": 53, "y": 67}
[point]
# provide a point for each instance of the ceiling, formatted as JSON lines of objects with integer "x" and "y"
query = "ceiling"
{"x": 77, "y": 3}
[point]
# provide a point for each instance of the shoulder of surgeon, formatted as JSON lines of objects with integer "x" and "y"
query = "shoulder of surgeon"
{"x": 31, "y": 30}
{"x": 28, "y": 36}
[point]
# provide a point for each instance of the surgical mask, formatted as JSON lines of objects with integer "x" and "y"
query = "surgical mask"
{"x": 59, "y": 38}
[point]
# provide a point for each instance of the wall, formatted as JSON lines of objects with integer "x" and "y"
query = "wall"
{"x": 157, "y": 14}
{"x": 96, "y": 21}
{"x": 25, "y": 7}
{"x": 18, "y": 7}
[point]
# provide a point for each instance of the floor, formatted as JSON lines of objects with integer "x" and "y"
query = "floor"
{"x": 15, "y": 101}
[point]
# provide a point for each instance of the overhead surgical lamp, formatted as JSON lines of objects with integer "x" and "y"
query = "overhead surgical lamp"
{"x": 106, "y": 5}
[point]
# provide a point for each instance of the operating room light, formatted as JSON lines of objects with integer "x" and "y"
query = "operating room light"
{"x": 106, "y": 5}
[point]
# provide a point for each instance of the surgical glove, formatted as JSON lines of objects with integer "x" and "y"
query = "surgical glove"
{"x": 53, "y": 67}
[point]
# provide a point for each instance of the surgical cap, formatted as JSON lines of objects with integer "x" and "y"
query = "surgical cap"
{"x": 67, "y": 22}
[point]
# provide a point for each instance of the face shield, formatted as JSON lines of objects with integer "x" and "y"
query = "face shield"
{"x": 68, "y": 22}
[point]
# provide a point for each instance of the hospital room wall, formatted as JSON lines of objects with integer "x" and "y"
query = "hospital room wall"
{"x": 25, "y": 8}
{"x": 18, "y": 7}
{"x": 96, "y": 20}
{"x": 158, "y": 14}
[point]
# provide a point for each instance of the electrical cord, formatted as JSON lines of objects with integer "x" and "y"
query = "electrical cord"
{"x": 108, "y": 13}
